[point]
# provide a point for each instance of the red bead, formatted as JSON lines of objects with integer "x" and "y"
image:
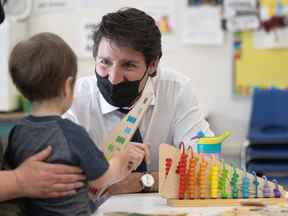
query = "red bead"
{"x": 93, "y": 190}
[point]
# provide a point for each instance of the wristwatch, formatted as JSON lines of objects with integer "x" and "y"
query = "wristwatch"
{"x": 147, "y": 181}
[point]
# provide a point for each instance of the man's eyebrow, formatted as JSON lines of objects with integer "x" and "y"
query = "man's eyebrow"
{"x": 130, "y": 61}
{"x": 102, "y": 57}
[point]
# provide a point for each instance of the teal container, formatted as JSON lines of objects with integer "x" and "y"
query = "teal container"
{"x": 210, "y": 149}
{"x": 209, "y": 146}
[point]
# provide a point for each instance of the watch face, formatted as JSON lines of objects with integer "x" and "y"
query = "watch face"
{"x": 147, "y": 180}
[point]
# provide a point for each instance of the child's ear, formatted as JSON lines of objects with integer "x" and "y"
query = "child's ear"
{"x": 68, "y": 88}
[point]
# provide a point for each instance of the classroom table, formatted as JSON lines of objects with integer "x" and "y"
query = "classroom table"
{"x": 151, "y": 203}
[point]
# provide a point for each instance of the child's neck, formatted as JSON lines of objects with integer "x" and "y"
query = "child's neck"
{"x": 47, "y": 108}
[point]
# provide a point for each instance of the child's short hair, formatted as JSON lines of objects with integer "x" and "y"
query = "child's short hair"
{"x": 40, "y": 65}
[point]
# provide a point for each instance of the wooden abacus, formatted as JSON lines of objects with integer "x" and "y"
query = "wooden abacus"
{"x": 189, "y": 179}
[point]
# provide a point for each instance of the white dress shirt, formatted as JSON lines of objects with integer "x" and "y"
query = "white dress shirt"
{"x": 172, "y": 117}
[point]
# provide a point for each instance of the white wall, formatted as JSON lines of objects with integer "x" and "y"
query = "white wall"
{"x": 209, "y": 67}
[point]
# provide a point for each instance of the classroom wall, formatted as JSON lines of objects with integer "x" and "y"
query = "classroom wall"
{"x": 208, "y": 66}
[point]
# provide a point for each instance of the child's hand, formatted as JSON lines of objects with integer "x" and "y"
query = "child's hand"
{"x": 129, "y": 158}
{"x": 122, "y": 163}
{"x": 137, "y": 152}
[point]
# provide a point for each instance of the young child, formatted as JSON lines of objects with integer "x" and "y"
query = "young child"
{"x": 44, "y": 69}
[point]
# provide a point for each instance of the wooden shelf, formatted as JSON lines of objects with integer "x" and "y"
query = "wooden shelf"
{"x": 11, "y": 116}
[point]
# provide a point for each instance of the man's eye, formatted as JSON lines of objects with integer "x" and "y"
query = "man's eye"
{"x": 104, "y": 62}
{"x": 130, "y": 66}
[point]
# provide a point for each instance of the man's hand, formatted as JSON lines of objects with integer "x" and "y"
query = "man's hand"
{"x": 42, "y": 180}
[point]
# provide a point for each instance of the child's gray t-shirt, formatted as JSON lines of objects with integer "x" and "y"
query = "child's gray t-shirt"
{"x": 71, "y": 145}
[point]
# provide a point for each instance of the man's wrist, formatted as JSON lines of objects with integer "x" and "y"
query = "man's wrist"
{"x": 131, "y": 184}
{"x": 19, "y": 189}
{"x": 151, "y": 184}
{"x": 13, "y": 188}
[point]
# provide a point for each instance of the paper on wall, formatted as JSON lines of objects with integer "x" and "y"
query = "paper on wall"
{"x": 52, "y": 6}
{"x": 85, "y": 32}
{"x": 271, "y": 40}
{"x": 164, "y": 14}
{"x": 202, "y": 25}
{"x": 241, "y": 14}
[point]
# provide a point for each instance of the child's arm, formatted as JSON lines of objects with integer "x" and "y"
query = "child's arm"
{"x": 121, "y": 165}
{"x": 101, "y": 173}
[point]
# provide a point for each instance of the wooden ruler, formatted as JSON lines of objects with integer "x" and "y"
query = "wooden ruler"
{"x": 121, "y": 135}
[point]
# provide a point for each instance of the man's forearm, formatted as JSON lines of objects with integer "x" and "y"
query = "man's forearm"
{"x": 132, "y": 184}
{"x": 155, "y": 187}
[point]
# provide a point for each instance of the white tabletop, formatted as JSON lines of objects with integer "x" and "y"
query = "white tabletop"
{"x": 151, "y": 203}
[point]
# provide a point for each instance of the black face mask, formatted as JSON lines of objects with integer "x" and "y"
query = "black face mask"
{"x": 2, "y": 14}
{"x": 119, "y": 95}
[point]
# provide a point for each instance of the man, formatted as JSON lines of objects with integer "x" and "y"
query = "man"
{"x": 127, "y": 50}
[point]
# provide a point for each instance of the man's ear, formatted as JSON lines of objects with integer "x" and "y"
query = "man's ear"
{"x": 152, "y": 68}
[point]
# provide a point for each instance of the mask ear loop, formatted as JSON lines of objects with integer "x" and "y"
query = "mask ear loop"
{"x": 140, "y": 93}
{"x": 144, "y": 75}
{"x": 96, "y": 74}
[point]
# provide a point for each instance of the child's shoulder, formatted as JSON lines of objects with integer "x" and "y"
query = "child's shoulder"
{"x": 72, "y": 129}
{"x": 67, "y": 124}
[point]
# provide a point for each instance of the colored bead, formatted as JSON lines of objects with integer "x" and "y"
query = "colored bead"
{"x": 245, "y": 187}
{"x": 266, "y": 189}
{"x": 223, "y": 182}
{"x": 234, "y": 184}
{"x": 93, "y": 190}
{"x": 202, "y": 178}
{"x": 256, "y": 184}
{"x": 276, "y": 190}
{"x": 181, "y": 170}
{"x": 168, "y": 164}
{"x": 191, "y": 187}
{"x": 214, "y": 181}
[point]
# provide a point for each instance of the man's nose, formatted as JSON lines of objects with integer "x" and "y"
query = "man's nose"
{"x": 116, "y": 75}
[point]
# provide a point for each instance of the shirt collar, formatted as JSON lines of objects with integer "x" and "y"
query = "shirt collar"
{"x": 108, "y": 108}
